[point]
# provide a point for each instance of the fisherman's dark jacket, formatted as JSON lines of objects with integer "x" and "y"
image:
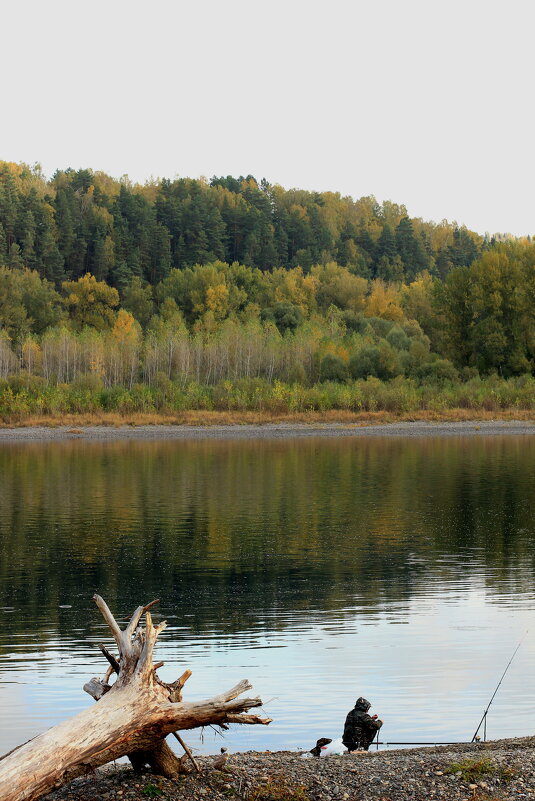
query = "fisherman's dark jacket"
{"x": 360, "y": 728}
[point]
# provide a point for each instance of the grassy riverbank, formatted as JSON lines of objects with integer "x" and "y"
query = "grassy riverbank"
{"x": 334, "y": 418}
{"x": 27, "y": 400}
{"x": 495, "y": 771}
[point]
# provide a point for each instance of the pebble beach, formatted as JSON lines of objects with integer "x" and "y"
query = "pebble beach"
{"x": 281, "y": 430}
{"x": 501, "y": 770}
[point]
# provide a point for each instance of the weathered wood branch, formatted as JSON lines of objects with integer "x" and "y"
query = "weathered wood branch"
{"x": 132, "y": 716}
{"x": 161, "y": 758}
{"x": 110, "y": 657}
{"x": 188, "y": 752}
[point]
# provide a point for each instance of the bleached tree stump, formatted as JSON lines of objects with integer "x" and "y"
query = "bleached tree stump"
{"x": 132, "y": 717}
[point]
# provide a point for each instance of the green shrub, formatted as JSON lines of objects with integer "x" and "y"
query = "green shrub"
{"x": 365, "y": 363}
{"x": 243, "y": 393}
{"x": 397, "y": 338}
{"x": 113, "y": 398}
{"x": 332, "y": 368}
{"x": 380, "y": 361}
{"x": 142, "y": 399}
{"x": 152, "y": 790}
{"x": 286, "y": 316}
{"x": 14, "y": 404}
{"x": 198, "y": 396}
{"x": 380, "y": 326}
{"x": 278, "y": 788}
{"x": 89, "y": 381}
{"x": 296, "y": 374}
{"x": 439, "y": 371}
{"x": 24, "y": 382}
{"x": 471, "y": 770}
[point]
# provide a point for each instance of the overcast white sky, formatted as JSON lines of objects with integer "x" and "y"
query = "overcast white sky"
{"x": 427, "y": 103}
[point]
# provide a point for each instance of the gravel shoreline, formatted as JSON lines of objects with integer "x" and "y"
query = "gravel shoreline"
{"x": 501, "y": 770}
{"x": 471, "y": 428}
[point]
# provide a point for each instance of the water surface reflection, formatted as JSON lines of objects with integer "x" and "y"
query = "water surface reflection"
{"x": 320, "y": 569}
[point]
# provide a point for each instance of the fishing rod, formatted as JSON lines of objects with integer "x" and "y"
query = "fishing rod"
{"x": 377, "y": 742}
{"x": 419, "y": 742}
{"x": 484, "y": 718}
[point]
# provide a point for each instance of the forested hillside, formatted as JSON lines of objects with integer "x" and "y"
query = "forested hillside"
{"x": 233, "y": 293}
{"x": 86, "y": 222}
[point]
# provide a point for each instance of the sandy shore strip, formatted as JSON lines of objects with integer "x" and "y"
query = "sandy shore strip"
{"x": 502, "y": 770}
{"x": 483, "y": 428}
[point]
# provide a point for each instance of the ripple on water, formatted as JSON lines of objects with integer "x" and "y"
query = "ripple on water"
{"x": 321, "y": 570}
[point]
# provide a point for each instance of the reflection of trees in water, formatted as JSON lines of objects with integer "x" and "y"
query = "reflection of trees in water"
{"x": 230, "y": 531}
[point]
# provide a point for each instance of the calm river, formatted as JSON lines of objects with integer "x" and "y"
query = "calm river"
{"x": 320, "y": 569}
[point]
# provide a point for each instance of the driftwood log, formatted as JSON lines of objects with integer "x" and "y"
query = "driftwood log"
{"x": 132, "y": 717}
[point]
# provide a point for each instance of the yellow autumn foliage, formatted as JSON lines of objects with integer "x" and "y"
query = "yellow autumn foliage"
{"x": 293, "y": 286}
{"x": 126, "y": 329}
{"x": 384, "y": 301}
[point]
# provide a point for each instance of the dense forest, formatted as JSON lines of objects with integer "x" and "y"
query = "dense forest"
{"x": 233, "y": 293}
{"x": 86, "y": 222}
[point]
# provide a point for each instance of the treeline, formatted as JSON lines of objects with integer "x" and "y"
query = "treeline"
{"x": 83, "y": 221}
{"x": 208, "y": 333}
{"x": 212, "y": 323}
{"x": 217, "y": 321}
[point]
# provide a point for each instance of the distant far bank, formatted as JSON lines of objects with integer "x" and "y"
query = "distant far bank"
{"x": 251, "y": 425}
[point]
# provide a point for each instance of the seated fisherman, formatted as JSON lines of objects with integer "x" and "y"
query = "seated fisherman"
{"x": 360, "y": 728}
